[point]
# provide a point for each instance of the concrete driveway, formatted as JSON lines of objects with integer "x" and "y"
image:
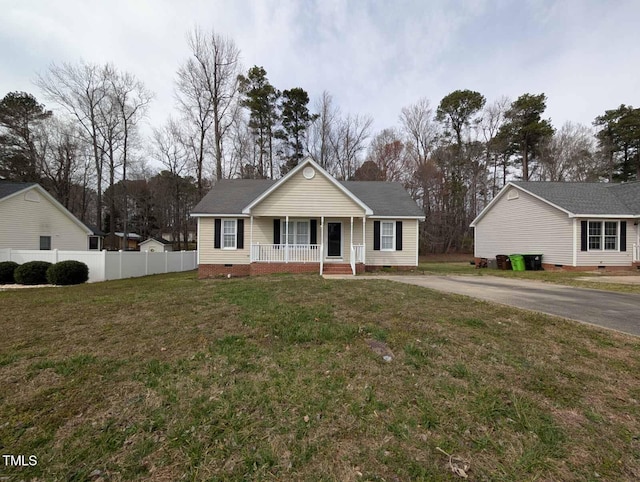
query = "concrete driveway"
{"x": 607, "y": 309}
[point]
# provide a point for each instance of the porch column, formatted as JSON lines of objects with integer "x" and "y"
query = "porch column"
{"x": 251, "y": 241}
{"x": 321, "y": 243}
{"x": 364, "y": 246}
{"x": 286, "y": 233}
{"x": 351, "y": 240}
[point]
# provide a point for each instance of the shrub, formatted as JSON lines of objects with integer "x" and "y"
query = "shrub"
{"x": 32, "y": 273}
{"x": 68, "y": 273}
{"x": 6, "y": 272}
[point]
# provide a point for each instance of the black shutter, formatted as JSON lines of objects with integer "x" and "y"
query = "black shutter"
{"x": 216, "y": 233}
{"x": 583, "y": 236}
{"x": 276, "y": 231}
{"x": 376, "y": 235}
{"x": 313, "y": 226}
{"x": 240, "y": 240}
{"x": 398, "y": 235}
{"x": 623, "y": 235}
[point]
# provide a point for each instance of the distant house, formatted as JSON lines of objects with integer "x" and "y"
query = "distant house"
{"x": 156, "y": 245}
{"x": 115, "y": 241}
{"x": 305, "y": 222}
{"x": 573, "y": 225}
{"x": 30, "y": 218}
{"x": 169, "y": 236}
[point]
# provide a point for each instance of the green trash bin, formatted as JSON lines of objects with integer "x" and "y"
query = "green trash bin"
{"x": 517, "y": 262}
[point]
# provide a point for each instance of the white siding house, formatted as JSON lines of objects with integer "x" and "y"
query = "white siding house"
{"x": 30, "y": 218}
{"x": 577, "y": 225}
{"x": 305, "y": 222}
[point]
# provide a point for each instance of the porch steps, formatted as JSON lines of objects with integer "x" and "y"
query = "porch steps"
{"x": 334, "y": 268}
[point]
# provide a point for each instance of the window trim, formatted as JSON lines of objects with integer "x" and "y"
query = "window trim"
{"x": 284, "y": 235}
{"x": 43, "y": 238}
{"x": 235, "y": 235}
{"x": 392, "y": 235}
{"x": 603, "y": 236}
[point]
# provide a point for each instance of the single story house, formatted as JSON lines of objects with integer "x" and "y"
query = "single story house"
{"x": 307, "y": 221}
{"x": 31, "y": 218}
{"x": 156, "y": 245}
{"x": 574, "y": 225}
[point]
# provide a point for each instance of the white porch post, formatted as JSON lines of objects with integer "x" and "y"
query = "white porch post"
{"x": 321, "y": 243}
{"x": 364, "y": 246}
{"x": 251, "y": 260}
{"x": 286, "y": 233}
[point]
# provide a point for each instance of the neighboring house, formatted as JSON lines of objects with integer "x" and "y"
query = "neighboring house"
{"x": 305, "y": 222}
{"x": 156, "y": 245}
{"x": 573, "y": 225}
{"x": 31, "y": 218}
{"x": 114, "y": 241}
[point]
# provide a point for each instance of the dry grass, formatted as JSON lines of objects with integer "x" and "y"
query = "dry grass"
{"x": 171, "y": 378}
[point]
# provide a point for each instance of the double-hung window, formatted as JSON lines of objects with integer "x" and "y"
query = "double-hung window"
{"x": 297, "y": 233}
{"x": 45, "y": 242}
{"x": 387, "y": 235}
{"x": 229, "y": 233}
{"x": 603, "y": 235}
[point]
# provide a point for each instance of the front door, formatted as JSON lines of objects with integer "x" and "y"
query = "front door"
{"x": 334, "y": 239}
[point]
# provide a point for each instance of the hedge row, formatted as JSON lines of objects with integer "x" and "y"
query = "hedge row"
{"x": 42, "y": 272}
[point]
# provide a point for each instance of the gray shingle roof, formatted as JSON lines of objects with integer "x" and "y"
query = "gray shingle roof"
{"x": 384, "y": 198}
{"x": 588, "y": 197}
{"x": 7, "y": 188}
{"x": 232, "y": 196}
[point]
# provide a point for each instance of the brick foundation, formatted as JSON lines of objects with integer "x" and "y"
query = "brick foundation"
{"x": 222, "y": 271}
{"x": 293, "y": 268}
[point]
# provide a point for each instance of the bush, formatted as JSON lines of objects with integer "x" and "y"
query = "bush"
{"x": 32, "y": 273}
{"x": 6, "y": 272}
{"x": 68, "y": 273}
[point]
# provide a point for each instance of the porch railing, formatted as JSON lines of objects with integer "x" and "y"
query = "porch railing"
{"x": 285, "y": 253}
{"x": 357, "y": 256}
{"x": 636, "y": 253}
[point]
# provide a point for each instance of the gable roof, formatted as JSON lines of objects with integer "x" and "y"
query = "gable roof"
{"x": 9, "y": 189}
{"x": 580, "y": 199}
{"x": 293, "y": 172}
{"x": 230, "y": 197}
{"x": 157, "y": 239}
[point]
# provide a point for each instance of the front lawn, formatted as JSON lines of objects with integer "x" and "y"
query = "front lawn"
{"x": 282, "y": 378}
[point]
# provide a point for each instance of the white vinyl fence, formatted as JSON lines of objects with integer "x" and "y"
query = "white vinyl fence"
{"x": 108, "y": 265}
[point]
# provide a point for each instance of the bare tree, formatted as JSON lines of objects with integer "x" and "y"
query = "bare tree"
{"x": 348, "y": 141}
{"x": 492, "y": 120}
{"x": 388, "y": 152}
{"x": 207, "y": 91}
{"x": 81, "y": 91}
{"x": 321, "y": 130}
{"x": 570, "y": 155}
{"x": 131, "y": 100}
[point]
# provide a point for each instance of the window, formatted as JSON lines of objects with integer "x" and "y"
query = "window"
{"x": 229, "y": 232}
{"x": 603, "y": 235}
{"x": 298, "y": 232}
{"x": 45, "y": 242}
{"x": 387, "y": 235}
{"x": 94, "y": 242}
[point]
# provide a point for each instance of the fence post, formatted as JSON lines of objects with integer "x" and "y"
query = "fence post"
{"x": 10, "y": 255}
{"x": 104, "y": 265}
{"x": 166, "y": 261}
{"x": 120, "y": 262}
{"x": 182, "y": 260}
{"x": 146, "y": 263}
{"x": 55, "y": 256}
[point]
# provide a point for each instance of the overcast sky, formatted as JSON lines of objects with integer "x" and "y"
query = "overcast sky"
{"x": 374, "y": 57}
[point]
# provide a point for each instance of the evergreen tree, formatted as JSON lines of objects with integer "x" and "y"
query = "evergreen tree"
{"x": 295, "y": 119}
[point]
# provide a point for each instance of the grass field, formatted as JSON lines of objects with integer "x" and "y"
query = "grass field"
{"x": 282, "y": 378}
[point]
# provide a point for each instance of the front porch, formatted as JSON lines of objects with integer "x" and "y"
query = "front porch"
{"x": 333, "y": 244}
{"x": 636, "y": 255}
